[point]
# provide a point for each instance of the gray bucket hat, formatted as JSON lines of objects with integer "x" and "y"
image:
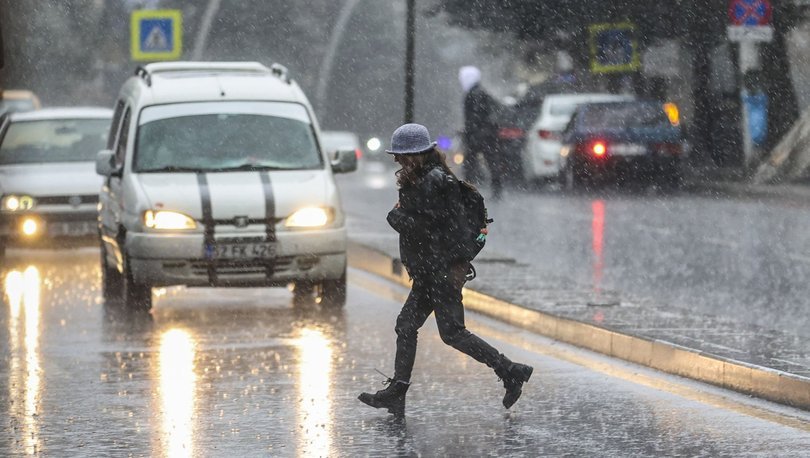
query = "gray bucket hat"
{"x": 410, "y": 139}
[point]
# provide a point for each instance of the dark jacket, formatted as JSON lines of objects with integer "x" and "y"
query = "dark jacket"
{"x": 480, "y": 109}
{"x": 428, "y": 221}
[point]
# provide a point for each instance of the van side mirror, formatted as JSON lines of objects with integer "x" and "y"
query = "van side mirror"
{"x": 345, "y": 161}
{"x": 104, "y": 163}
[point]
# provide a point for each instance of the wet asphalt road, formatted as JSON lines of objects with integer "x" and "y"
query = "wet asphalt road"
{"x": 737, "y": 258}
{"x": 244, "y": 373}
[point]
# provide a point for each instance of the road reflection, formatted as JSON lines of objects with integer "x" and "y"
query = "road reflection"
{"x": 314, "y": 381}
{"x": 25, "y": 383}
{"x": 598, "y": 231}
{"x": 177, "y": 391}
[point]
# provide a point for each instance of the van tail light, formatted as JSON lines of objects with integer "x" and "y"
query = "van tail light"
{"x": 358, "y": 153}
{"x": 510, "y": 133}
{"x": 548, "y": 134}
{"x": 670, "y": 149}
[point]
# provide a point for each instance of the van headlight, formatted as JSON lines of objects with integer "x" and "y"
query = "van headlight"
{"x": 309, "y": 217}
{"x": 167, "y": 220}
{"x": 13, "y": 203}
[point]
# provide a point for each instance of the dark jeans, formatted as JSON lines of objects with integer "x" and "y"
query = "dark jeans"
{"x": 442, "y": 295}
{"x": 497, "y": 172}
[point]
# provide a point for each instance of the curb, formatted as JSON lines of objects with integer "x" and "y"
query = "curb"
{"x": 737, "y": 189}
{"x": 761, "y": 382}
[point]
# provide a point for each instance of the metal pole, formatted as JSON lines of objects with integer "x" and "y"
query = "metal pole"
{"x": 205, "y": 28}
{"x": 410, "y": 36}
{"x": 335, "y": 38}
{"x": 2, "y": 58}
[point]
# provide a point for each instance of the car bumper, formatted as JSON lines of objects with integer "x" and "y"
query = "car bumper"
{"x": 50, "y": 227}
{"x": 642, "y": 163}
{"x": 543, "y": 160}
{"x": 165, "y": 260}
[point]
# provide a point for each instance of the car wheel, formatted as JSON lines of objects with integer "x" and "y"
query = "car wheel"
{"x": 111, "y": 280}
{"x": 303, "y": 292}
{"x": 137, "y": 296}
{"x": 673, "y": 178}
{"x": 332, "y": 293}
{"x": 569, "y": 179}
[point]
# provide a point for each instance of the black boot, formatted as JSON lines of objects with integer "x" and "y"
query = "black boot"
{"x": 391, "y": 398}
{"x": 514, "y": 375}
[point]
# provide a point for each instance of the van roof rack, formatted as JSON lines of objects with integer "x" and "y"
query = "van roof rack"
{"x": 145, "y": 72}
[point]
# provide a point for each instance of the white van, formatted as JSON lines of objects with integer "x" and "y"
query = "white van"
{"x": 214, "y": 176}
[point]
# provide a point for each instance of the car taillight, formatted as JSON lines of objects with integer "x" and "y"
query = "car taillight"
{"x": 510, "y": 133}
{"x": 548, "y": 134}
{"x": 673, "y": 149}
{"x": 599, "y": 149}
{"x": 358, "y": 153}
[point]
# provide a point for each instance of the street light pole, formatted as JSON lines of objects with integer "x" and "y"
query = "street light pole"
{"x": 410, "y": 36}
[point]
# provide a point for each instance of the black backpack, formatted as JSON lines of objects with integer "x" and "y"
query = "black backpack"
{"x": 473, "y": 230}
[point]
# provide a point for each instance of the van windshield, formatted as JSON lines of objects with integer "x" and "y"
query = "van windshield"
{"x": 225, "y": 136}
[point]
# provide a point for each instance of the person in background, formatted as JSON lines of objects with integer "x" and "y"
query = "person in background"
{"x": 480, "y": 131}
{"x": 427, "y": 217}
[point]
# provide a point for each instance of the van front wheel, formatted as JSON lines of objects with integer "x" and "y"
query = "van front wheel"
{"x": 333, "y": 292}
{"x": 138, "y": 297}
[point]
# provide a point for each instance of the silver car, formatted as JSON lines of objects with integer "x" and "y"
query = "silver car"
{"x": 48, "y": 182}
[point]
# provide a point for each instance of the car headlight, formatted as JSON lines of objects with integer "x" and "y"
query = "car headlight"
{"x": 13, "y": 203}
{"x": 167, "y": 220}
{"x": 309, "y": 217}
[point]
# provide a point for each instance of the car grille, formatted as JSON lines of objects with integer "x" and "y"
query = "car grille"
{"x": 67, "y": 200}
{"x": 200, "y": 268}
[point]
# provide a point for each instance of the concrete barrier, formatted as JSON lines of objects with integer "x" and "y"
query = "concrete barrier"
{"x": 665, "y": 356}
{"x": 790, "y": 158}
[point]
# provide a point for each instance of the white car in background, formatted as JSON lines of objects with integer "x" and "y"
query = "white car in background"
{"x": 48, "y": 181}
{"x": 541, "y": 153}
{"x": 333, "y": 141}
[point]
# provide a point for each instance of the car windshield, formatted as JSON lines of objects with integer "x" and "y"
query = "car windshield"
{"x": 226, "y": 136}
{"x": 53, "y": 140}
{"x": 563, "y": 109}
{"x": 9, "y": 105}
{"x": 625, "y": 115}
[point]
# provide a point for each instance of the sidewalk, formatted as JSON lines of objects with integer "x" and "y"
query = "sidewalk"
{"x": 732, "y": 182}
{"x": 757, "y": 361}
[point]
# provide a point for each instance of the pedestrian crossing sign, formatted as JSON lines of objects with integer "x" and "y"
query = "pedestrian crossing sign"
{"x": 614, "y": 48}
{"x": 156, "y": 35}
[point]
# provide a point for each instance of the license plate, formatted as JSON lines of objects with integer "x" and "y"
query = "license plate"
{"x": 71, "y": 228}
{"x": 238, "y": 251}
{"x": 628, "y": 149}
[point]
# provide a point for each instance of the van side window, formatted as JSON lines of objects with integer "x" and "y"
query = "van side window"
{"x": 115, "y": 124}
{"x": 121, "y": 149}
